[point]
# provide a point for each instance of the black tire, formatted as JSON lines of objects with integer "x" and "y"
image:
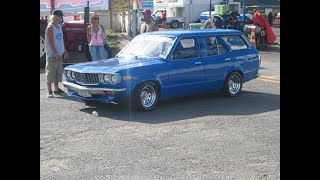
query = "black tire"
{"x": 42, "y": 51}
{"x": 174, "y": 24}
{"x": 233, "y": 85}
{"x": 208, "y": 25}
{"x": 146, "y": 97}
{"x": 217, "y": 23}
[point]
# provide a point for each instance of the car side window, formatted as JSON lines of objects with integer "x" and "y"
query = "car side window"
{"x": 210, "y": 46}
{"x": 222, "y": 48}
{"x": 185, "y": 49}
{"x": 235, "y": 42}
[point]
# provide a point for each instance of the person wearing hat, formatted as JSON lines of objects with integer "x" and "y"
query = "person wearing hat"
{"x": 55, "y": 48}
{"x": 148, "y": 24}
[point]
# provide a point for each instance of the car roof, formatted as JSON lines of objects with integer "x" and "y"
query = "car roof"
{"x": 179, "y": 33}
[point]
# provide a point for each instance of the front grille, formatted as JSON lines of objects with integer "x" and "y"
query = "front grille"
{"x": 87, "y": 78}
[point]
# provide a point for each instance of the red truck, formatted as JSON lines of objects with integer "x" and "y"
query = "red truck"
{"x": 75, "y": 39}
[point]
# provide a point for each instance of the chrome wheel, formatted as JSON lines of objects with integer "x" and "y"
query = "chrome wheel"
{"x": 148, "y": 96}
{"x": 234, "y": 84}
{"x": 42, "y": 47}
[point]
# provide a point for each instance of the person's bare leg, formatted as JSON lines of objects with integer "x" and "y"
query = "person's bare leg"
{"x": 56, "y": 87}
{"x": 49, "y": 86}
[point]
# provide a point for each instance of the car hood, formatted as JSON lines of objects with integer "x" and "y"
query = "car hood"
{"x": 113, "y": 64}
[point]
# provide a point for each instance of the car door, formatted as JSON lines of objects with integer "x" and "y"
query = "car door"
{"x": 244, "y": 56}
{"x": 217, "y": 61}
{"x": 186, "y": 73}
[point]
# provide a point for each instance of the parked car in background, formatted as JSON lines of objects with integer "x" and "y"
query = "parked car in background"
{"x": 166, "y": 64}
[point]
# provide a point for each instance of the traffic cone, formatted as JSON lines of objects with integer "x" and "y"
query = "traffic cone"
{"x": 253, "y": 36}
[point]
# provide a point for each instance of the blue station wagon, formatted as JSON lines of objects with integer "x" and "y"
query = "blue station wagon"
{"x": 166, "y": 64}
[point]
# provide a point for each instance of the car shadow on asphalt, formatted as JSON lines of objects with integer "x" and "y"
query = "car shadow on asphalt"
{"x": 248, "y": 103}
{"x": 66, "y": 96}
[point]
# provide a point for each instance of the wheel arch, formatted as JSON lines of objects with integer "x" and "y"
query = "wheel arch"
{"x": 155, "y": 81}
{"x": 233, "y": 69}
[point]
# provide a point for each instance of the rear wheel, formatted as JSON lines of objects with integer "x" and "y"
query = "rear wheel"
{"x": 217, "y": 23}
{"x": 174, "y": 24}
{"x": 208, "y": 25}
{"x": 233, "y": 85}
{"x": 42, "y": 51}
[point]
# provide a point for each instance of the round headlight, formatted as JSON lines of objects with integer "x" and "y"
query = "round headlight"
{"x": 73, "y": 75}
{"x": 68, "y": 74}
{"x": 114, "y": 79}
{"x": 106, "y": 78}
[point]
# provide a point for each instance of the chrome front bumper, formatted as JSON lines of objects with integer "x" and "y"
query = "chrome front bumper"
{"x": 98, "y": 91}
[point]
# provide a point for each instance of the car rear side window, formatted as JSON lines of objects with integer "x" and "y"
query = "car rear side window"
{"x": 235, "y": 42}
{"x": 185, "y": 49}
{"x": 210, "y": 46}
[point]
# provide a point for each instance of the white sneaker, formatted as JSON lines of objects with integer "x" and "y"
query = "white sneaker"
{"x": 50, "y": 94}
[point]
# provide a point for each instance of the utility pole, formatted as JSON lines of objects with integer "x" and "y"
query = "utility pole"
{"x": 110, "y": 10}
{"x": 244, "y": 11}
{"x": 52, "y": 6}
{"x": 210, "y": 10}
{"x": 129, "y": 20}
{"x": 87, "y": 13}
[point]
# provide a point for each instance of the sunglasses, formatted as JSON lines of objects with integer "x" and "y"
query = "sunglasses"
{"x": 95, "y": 18}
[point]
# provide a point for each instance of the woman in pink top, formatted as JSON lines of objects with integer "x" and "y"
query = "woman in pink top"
{"x": 96, "y": 39}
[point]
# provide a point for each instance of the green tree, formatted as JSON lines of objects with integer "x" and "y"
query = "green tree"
{"x": 121, "y": 5}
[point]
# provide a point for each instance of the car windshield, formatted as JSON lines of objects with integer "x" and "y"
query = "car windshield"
{"x": 148, "y": 45}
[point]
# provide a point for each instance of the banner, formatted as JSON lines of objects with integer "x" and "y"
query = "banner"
{"x": 73, "y": 6}
{"x": 160, "y": 2}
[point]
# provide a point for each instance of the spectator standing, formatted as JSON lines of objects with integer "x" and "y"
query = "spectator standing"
{"x": 148, "y": 24}
{"x": 55, "y": 48}
{"x": 270, "y": 18}
{"x": 96, "y": 39}
{"x": 164, "y": 18}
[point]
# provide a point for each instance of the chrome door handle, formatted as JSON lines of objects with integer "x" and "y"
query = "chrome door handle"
{"x": 227, "y": 59}
{"x": 197, "y": 63}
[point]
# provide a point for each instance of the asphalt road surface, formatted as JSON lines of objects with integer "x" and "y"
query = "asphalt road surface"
{"x": 200, "y": 137}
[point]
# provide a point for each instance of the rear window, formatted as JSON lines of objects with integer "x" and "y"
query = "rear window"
{"x": 235, "y": 42}
{"x": 210, "y": 46}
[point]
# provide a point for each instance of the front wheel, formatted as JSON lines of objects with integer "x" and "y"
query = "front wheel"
{"x": 233, "y": 84}
{"x": 146, "y": 96}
